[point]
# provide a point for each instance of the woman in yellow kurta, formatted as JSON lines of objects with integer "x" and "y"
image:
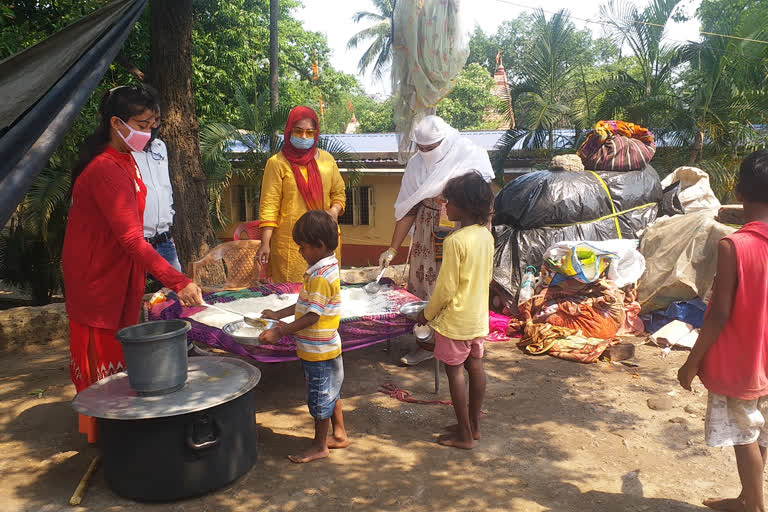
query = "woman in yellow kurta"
{"x": 299, "y": 178}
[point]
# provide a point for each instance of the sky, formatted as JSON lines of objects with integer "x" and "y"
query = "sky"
{"x": 336, "y": 23}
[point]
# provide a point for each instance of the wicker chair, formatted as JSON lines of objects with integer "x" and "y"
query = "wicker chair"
{"x": 240, "y": 266}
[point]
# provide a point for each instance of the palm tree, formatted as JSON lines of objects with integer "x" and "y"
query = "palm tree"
{"x": 644, "y": 95}
{"x": 544, "y": 95}
{"x": 259, "y": 139}
{"x": 379, "y": 53}
{"x": 30, "y": 250}
{"x": 728, "y": 99}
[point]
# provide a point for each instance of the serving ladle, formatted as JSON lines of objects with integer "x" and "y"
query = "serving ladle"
{"x": 253, "y": 322}
{"x": 374, "y": 287}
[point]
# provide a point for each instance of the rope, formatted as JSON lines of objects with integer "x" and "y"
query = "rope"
{"x": 604, "y": 217}
{"x": 404, "y": 396}
{"x": 610, "y": 199}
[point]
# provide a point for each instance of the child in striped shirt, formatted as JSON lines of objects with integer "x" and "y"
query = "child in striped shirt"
{"x": 318, "y": 345}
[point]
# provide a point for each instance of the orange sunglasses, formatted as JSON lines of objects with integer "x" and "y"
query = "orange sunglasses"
{"x": 304, "y": 134}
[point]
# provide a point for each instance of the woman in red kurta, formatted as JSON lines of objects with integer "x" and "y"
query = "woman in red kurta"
{"x": 105, "y": 257}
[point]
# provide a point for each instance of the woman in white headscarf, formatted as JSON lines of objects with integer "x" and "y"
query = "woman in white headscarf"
{"x": 443, "y": 154}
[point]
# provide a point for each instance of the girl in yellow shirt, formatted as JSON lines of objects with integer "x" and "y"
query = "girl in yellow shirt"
{"x": 458, "y": 308}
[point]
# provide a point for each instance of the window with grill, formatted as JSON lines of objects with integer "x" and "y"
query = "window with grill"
{"x": 245, "y": 203}
{"x": 359, "y": 209}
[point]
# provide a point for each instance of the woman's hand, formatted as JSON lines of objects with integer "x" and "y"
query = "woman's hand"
{"x": 262, "y": 255}
{"x": 190, "y": 295}
{"x": 270, "y": 315}
{"x": 421, "y": 319}
{"x": 334, "y": 211}
{"x": 386, "y": 257}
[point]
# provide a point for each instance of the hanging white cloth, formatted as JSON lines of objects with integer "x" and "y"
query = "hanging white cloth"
{"x": 427, "y": 172}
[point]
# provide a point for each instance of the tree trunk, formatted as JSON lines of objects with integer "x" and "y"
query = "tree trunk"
{"x": 171, "y": 74}
{"x": 274, "y": 13}
{"x": 698, "y": 142}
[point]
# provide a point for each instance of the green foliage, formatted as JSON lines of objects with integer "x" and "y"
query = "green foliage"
{"x": 375, "y": 117}
{"x": 469, "y": 103}
{"x": 379, "y": 54}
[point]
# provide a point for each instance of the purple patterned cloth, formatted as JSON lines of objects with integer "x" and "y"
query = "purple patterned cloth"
{"x": 355, "y": 332}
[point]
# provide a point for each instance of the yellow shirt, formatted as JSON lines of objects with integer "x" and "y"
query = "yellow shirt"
{"x": 320, "y": 294}
{"x": 458, "y": 307}
{"x": 281, "y": 205}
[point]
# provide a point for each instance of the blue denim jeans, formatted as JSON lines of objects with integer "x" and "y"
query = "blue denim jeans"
{"x": 167, "y": 250}
{"x": 324, "y": 379}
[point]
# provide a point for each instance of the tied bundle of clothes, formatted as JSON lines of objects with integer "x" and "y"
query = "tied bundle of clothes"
{"x": 617, "y": 146}
{"x": 584, "y": 298}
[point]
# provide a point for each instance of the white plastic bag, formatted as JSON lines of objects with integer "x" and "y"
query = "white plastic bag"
{"x": 626, "y": 269}
{"x": 695, "y": 193}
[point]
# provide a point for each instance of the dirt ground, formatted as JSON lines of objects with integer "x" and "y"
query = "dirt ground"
{"x": 558, "y": 436}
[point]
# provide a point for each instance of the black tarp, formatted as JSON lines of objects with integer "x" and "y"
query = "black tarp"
{"x": 530, "y": 212}
{"x": 43, "y": 88}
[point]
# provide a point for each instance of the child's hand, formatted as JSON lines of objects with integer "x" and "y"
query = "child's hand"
{"x": 421, "y": 319}
{"x": 269, "y": 315}
{"x": 271, "y": 336}
{"x": 686, "y": 374}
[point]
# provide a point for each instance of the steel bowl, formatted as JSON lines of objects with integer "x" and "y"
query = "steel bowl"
{"x": 232, "y": 329}
{"x": 412, "y": 309}
{"x": 424, "y": 334}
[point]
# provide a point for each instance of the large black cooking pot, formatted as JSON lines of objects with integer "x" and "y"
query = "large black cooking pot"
{"x": 166, "y": 459}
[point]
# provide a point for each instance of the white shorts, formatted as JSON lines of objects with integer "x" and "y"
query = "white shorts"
{"x": 731, "y": 421}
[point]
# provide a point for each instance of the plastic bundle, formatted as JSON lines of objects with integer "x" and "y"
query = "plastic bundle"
{"x": 537, "y": 210}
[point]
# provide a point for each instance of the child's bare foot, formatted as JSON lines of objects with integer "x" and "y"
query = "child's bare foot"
{"x": 454, "y": 441}
{"x": 313, "y": 453}
{"x": 455, "y": 428}
{"x": 726, "y": 504}
{"x": 336, "y": 443}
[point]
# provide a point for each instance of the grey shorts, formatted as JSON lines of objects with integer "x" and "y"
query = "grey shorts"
{"x": 731, "y": 421}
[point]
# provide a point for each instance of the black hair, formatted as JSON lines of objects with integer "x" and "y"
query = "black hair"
{"x": 471, "y": 194}
{"x": 753, "y": 177}
{"x": 123, "y": 102}
{"x": 316, "y": 228}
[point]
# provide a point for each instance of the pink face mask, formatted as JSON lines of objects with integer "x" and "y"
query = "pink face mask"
{"x": 136, "y": 140}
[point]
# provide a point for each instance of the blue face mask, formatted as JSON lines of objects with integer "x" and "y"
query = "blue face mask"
{"x": 300, "y": 143}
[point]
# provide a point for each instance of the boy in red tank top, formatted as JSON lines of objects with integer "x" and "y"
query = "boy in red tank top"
{"x": 731, "y": 355}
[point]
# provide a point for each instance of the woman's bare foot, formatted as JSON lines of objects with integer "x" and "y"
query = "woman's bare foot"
{"x": 726, "y": 504}
{"x": 455, "y": 428}
{"x": 454, "y": 441}
{"x": 313, "y": 453}
{"x": 336, "y": 443}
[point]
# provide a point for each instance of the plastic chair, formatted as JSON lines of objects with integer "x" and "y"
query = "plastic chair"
{"x": 251, "y": 229}
{"x": 240, "y": 266}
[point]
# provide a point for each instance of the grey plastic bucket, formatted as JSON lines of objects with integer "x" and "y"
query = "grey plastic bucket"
{"x": 156, "y": 356}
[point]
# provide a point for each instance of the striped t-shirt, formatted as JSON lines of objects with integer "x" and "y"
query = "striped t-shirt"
{"x": 321, "y": 294}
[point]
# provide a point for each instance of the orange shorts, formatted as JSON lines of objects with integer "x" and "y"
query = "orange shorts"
{"x": 455, "y": 352}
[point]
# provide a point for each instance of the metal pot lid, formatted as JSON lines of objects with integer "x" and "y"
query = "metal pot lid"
{"x": 211, "y": 381}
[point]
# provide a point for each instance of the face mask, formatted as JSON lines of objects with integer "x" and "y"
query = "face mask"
{"x": 300, "y": 143}
{"x": 430, "y": 158}
{"x": 136, "y": 140}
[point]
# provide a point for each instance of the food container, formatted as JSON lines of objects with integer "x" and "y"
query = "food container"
{"x": 424, "y": 334}
{"x": 179, "y": 445}
{"x": 246, "y": 334}
{"x": 412, "y": 309}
